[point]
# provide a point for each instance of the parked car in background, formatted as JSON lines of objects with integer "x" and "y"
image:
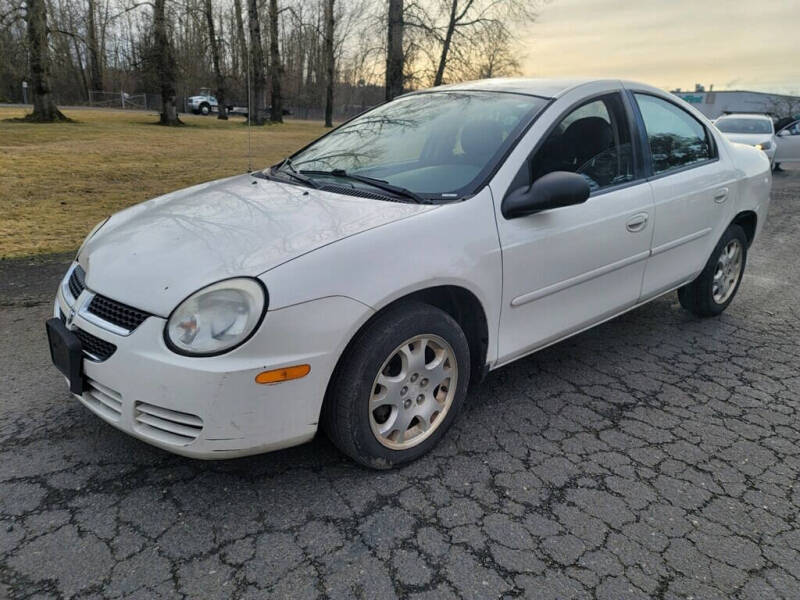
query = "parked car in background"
{"x": 788, "y": 149}
{"x": 364, "y": 282}
{"x": 753, "y": 130}
{"x": 202, "y": 104}
{"x": 205, "y": 104}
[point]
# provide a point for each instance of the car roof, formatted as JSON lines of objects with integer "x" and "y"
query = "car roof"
{"x": 542, "y": 87}
{"x": 745, "y": 116}
{"x": 545, "y": 88}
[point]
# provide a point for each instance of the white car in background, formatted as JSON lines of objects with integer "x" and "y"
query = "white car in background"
{"x": 788, "y": 144}
{"x": 753, "y": 130}
{"x": 363, "y": 283}
{"x": 202, "y": 104}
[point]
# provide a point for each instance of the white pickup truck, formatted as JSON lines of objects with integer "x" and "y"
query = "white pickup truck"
{"x": 202, "y": 104}
{"x": 205, "y": 103}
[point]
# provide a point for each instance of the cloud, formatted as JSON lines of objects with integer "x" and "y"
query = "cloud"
{"x": 669, "y": 44}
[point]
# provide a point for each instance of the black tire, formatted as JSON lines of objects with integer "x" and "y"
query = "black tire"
{"x": 345, "y": 415}
{"x": 698, "y": 297}
{"x": 205, "y": 109}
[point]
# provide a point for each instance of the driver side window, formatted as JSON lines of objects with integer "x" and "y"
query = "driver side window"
{"x": 594, "y": 141}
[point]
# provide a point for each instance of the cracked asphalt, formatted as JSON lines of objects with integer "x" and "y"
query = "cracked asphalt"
{"x": 655, "y": 456}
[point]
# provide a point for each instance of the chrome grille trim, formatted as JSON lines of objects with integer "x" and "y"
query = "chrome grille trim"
{"x": 88, "y": 299}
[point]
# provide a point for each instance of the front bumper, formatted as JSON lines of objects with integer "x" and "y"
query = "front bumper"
{"x": 211, "y": 407}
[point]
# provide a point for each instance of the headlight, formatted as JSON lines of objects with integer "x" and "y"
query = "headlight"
{"x": 764, "y": 145}
{"x": 217, "y": 318}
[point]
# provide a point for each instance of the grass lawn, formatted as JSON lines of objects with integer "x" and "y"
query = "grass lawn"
{"x": 58, "y": 180}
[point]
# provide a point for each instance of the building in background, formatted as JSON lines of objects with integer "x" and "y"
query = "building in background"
{"x": 715, "y": 104}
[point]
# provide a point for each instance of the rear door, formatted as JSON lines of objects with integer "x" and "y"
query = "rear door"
{"x": 788, "y": 149}
{"x": 693, "y": 188}
{"x": 567, "y": 268}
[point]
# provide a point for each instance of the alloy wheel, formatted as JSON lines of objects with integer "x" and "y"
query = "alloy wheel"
{"x": 727, "y": 272}
{"x": 413, "y": 391}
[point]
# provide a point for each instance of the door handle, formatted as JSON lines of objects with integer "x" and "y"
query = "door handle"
{"x": 637, "y": 222}
{"x": 721, "y": 195}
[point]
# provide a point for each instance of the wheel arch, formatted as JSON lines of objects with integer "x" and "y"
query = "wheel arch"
{"x": 748, "y": 221}
{"x": 458, "y": 302}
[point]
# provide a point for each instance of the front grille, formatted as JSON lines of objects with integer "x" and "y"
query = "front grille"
{"x": 117, "y": 313}
{"x": 94, "y": 348}
{"x": 77, "y": 281}
{"x": 103, "y": 400}
{"x": 166, "y": 425}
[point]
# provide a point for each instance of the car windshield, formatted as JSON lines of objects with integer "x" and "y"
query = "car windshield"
{"x": 436, "y": 145}
{"x": 733, "y": 125}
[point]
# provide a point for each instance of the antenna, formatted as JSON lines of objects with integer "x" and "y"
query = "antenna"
{"x": 249, "y": 113}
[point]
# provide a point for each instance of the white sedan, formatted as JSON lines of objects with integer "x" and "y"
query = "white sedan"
{"x": 750, "y": 129}
{"x": 363, "y": 283}
{"x": 788, "y": 144}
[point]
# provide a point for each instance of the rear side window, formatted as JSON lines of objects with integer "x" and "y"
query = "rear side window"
{"x": 676, "y": 138}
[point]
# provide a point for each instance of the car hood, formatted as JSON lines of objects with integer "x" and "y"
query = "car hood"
{"x": 751, "y": 139}
{"x": 153, "y": 255}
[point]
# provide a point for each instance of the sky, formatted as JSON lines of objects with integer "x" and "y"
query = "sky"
{"x": 733, "y": 44}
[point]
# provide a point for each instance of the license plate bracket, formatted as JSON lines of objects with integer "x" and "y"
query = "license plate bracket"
{"x": 66, "y": 353}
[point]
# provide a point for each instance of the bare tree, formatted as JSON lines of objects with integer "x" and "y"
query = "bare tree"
{"x": 121, "y": 46}
{"x": 469, "y": 23}
{"x": 242, "y": 43}
{"x": 394, "y": 50}
{"x": 93, "y": 47}
{"x": 455, "y": 18}
{"x": 276, "y": 68}
{"x": 165, "y": 65}
{"x": 330, "y": 61}
{"x": 258, "y": 80}
{"x": 222, "y": 110}
{"x": 489, "y": 54}
{"x": 44, "y": 105}
{"x": 785, "y": 108}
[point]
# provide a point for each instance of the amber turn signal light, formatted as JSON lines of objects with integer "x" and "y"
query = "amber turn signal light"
{"x": 285, "y": 374}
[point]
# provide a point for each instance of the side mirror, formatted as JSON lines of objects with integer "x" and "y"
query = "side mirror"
{"x": 553, "y": 190}
{"x": 783, "y": 133}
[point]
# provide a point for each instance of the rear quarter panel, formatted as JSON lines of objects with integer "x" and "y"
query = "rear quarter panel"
{"x": 755, "y": 181}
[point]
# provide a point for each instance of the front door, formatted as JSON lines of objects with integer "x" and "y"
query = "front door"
{"x": 788, "y": 149}
{"x": 567, "y": 268}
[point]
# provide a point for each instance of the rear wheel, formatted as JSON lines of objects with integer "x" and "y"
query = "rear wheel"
{"x": 400, "y": 386}
{"x": 717, "y": 284}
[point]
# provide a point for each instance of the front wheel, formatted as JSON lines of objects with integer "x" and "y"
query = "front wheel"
{"x": 717, "y": 284}
{"x": 399, "y": 387}
{"x": 205, "y": 109}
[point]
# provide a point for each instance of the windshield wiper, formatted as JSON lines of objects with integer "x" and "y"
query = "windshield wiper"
{"x": 295, "y": 174}
{"x": 378, "y": 183}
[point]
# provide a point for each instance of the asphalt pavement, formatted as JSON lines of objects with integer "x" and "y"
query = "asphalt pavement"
{"x": 655, "y": 456}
